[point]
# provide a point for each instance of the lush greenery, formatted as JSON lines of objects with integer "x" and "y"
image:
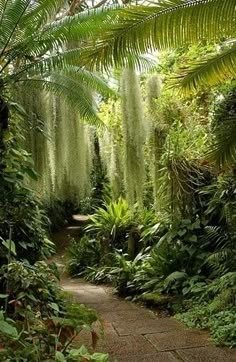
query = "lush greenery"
{"x": 145, "y": 144}
{"x": 172, "y": 243}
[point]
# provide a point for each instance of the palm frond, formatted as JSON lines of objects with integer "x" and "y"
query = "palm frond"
{"x": 51, "y": 36}
{"x": 40, "y": 12}
{"x": 222, "y": 261}
{"x": 175, "y": 277}
{"x": 216, "y": 236}
{"x": 208, "y": 72}
{"x": 223, "y": 150}
{"x": 63, "y": 86}
{"x": 60, "y": 63}
{"x": 10, "y": 19}
{"x": 92, "y": 80}
{"x": 172, "y": 23}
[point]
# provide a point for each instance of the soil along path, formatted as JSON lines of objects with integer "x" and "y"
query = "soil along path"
{"x": 135, "y": 334}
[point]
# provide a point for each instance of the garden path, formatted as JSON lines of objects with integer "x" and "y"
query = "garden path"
{"x": 135, "y": 334}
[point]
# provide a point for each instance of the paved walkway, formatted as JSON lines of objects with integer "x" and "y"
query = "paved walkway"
{"x": 135, "y": 334}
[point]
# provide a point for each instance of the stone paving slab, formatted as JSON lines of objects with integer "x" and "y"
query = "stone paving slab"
{"x": 85, "y": 337}
{"x": 114, "y": 306}
{"x": 169, "y": 341}
{"x": 207, "y": 354}
{"x": 146, "y": 326}
{"x": 130, "y": 345}
{"x": 88, "y": 295}
{"x": 134, "y": 334}
{"x": 155, "y": 357}
{"x": 127, "y": 315}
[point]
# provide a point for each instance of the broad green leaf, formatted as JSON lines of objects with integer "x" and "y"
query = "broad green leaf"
{"x": 10, "y": 245}
{"x": 100, "y": 357}
{"x": 59, "y": 357}
{"x": 8, "y": 330}
{"x": 54, "y": 306}
{"x": 3, "y": 296}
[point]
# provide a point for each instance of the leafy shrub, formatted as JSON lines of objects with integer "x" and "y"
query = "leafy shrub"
{"x": 48, "y": 340}
{"x": 111, "y": 222}
{"x": 221, "y": 292}
{"x": 118, "y": 227}
{"x": 59, "y": 213}
{"x": 23, "y": 210}
{"x": 121, "y": 275}
{"x": 19, "y": 205}
{"x": 41, "y": 324}
{"x": 222, "y": 325}
{"x": 99, "y": 275}
{"x": 83, "y": 253}
{"x": 34, "y": 286}
{"x": 124, "y": 273}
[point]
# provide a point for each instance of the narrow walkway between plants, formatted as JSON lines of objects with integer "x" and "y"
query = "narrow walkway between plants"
{"x": 135, "y": 334}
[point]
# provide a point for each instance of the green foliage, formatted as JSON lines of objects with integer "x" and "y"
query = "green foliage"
{"x": 111, "y": 222}
{"x": 168, "y": 25}
{"x": 30, "y": 285}
{"x": 124, "y": 272}
{"x": 221, "y": 324}
{"x": 20, "y": 208}
{"x": 83, "y": 253}
{"x": 59, "y": 213}
{"x": 44, "y": 61}
{"x": 40, "y": 323}
{"x": 223, "y": 147}
{"x": 120, "y": 274}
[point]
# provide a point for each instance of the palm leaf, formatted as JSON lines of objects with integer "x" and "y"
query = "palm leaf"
{"x": 223, "y": 150}
{"x": 75, "y": 93}
{"x": 176, "y": 276}
{"x": 40, "y": 12}
{"x": 172, "y": 23}
{"x": 91, "y": 80}
{"x": 10, "y": 19}
{"x": 208, "y": 72}
{"x": 51, "y": 36}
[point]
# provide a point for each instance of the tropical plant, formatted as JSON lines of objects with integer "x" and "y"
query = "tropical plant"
{"x": 121, "y": 274}
{"x": 21, "y": 209}
{"x": 221, "y": 324}
{"x": 152, "y": 28}
{"x": 223, "y": 146}
{"x": 34, "y": 53}
{"x": 41, "y": 323}
{"x": 111, "y": 223}
{"x": 83, "y": 253}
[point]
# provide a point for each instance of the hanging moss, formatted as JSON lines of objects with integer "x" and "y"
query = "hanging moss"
{"x": 73, "y": 155}
{"x": 157, "y": 135}
{"x": 60, "y": 144}
{"x": 134, "y": 137}
{"x": 37, "y": 135}
{"x": 111, "y": 150}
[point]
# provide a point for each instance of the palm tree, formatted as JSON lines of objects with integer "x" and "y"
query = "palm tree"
{"x": 169, "y": 24}
{"x": 40, "y": 44}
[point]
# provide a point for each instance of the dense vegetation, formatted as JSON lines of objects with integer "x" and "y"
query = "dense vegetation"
{"x": 165, "y": 234}
{"x": 145, "y": 144}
